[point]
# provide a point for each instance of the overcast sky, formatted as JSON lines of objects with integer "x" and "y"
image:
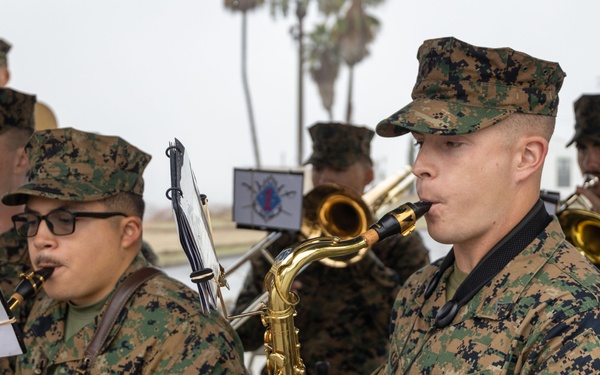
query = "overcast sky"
{"x": 151, "y": 71}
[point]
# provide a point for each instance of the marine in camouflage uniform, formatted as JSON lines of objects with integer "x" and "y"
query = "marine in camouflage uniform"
{"x": 159, "y": 330}
{"x": 587, "y": 140}
{"x": 16, "y": 126}
{"x": 537, "y": 310}
{"x": 343, "y": 314}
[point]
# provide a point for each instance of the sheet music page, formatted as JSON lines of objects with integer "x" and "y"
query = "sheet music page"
{"x": 11, "y": 343}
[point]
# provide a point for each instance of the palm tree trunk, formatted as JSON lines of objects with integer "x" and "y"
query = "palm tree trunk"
{"x": 300, "y": 13}
{"x": 247, "y": 91}
{"x": 350, "y": 88}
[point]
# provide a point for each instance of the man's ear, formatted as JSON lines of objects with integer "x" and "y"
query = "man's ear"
{"x": 21, "y": 160}
{"x": 131, "y": 231}
{"x": 532, "y": 154}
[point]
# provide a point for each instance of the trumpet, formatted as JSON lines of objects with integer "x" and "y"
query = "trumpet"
{"x": 29, "y": 286}
{"x": 580, "y": 224}
{"x": 282, "y": 346}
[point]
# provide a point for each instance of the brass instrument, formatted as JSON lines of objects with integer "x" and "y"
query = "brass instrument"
{"x": 281, "y": 337}
{"x": 580, "y": 224}
{"x": 29, "y": 286}
{"x": 333, "y": 210}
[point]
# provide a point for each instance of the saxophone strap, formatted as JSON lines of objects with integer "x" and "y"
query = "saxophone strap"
{"x": 495, "y": 260}
{"x": 115, "y": 305}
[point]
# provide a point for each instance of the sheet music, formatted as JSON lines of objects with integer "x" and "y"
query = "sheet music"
{"x": 192, "y": 225}
{"x": 12, "y": 342}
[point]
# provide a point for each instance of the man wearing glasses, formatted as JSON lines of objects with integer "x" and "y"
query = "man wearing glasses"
{"x": 83, "y": 219}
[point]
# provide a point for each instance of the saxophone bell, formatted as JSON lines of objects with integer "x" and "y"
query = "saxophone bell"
{"x": 29, "y": 286}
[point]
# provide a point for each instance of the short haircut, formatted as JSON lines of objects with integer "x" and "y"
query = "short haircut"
{"x": 128, "y": 203}
{"x": 519, "y": 124}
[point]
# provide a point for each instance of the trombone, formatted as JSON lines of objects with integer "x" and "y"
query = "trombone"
{"x": 580, "y": 224}
{"x": 333, "y": 211}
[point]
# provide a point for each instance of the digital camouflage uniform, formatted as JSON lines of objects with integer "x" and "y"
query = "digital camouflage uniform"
{"x": 587, "y": 119}
{"x": 16, "y": 112}
{"x": 540, "y": 314}
{"x": 343, "y": 314}
{"x": 160, "y": 329}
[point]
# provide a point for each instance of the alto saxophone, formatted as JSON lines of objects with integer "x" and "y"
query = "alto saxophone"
{"x": 281, "y": 336}
{"x": 29, "y": 286}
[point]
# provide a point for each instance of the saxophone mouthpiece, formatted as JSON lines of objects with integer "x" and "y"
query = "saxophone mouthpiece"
{"x": 44, "y": 273}
{"x": 29, "y": 286}
{"x": 420, "y": 208}
{"x": 400, "y": 220}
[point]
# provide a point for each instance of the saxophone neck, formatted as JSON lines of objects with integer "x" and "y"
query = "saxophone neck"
{"x": 290, "y": 262}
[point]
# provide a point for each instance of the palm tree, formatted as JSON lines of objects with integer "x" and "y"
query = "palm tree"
{"x": 323, "y": 64}
{"x": 244, "y": 6}
{"x": 297, "y": 31}
{"x": 354, "y": 32}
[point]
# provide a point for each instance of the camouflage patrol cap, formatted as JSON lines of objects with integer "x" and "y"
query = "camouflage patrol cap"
{"x": 16, "y": 109}
{"x": 4, "y": 48}
{"x": 587, "y": 118}
{"x": 462, "y": 88}
{"x": 71, "y": 165}
{"x": 339, "y": 145}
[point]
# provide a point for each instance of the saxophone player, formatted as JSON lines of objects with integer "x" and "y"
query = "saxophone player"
{"x": 587, "y": 141}
{"x": 512, "y": 296}
{"x": 343, "y": 315}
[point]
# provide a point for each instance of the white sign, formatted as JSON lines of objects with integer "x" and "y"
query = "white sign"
{"x": 268, "y": 200}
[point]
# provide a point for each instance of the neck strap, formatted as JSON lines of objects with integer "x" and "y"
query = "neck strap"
{"x": 494, "y": 261}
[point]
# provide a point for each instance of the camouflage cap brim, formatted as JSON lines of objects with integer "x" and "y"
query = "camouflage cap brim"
{"x": 431, "y": 116}
{"x": 72, "y": 165}
{"x": 462, "y": 88}
{"x": 4, "y": 49}
{"x": 53, "y": 189}
{"x": 580, "y": 134}
{"x": 587, "y": 118}
{"x": 16, "y": 110}
{"x": 339, "y": 145}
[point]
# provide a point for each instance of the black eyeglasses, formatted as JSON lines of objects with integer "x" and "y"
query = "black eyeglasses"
{"x": 60, "y": 222}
